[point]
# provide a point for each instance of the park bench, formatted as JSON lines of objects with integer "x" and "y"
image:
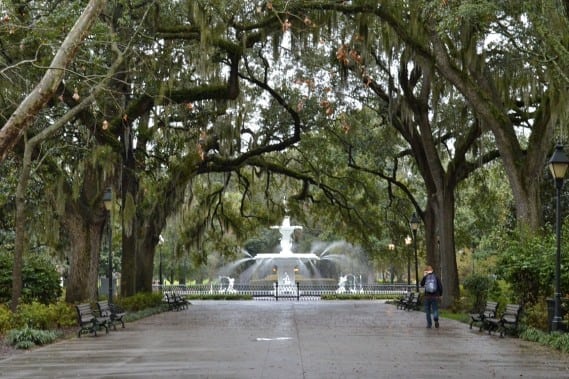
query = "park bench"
{"x": 489, "y": 311}
{"x": 182, "y": 302}
{"x": 175, "y": 302}
{"x": 88, "y": 322}
{"x": 410, "y": 301}
{"x": 404, "y": 300}
{"x": 113, "y": 312}
{"x": 509, "y": 320}
{"x": 414, "y": 303}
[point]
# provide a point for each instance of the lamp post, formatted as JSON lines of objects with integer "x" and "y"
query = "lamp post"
{"x": 108, "y": 200}
{"x": 407, "y": 243}
{"x": 558, "y": 165}
{"x": 414, "y": 223}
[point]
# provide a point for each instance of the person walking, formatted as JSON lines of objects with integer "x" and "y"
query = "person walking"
{"x": 433, "y": 291}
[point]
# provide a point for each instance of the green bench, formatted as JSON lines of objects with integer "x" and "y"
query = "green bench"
{"x": 509, "y": 320}
{"x": 175, "y": 302}
{"x": 410, "y": 302}
{"x": 113, "y": 312}
{"x": 489, "y": 311}
{"x": 404, "y": 300}
{"x": 89, "y": 322}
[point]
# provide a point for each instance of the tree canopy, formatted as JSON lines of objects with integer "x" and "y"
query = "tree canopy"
{"x": 203, "y": 115}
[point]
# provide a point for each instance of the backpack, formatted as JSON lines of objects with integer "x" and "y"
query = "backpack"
{"x": 431, "y": 284}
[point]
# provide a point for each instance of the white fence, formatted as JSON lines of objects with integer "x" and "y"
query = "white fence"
{"x": 273, "y": 291}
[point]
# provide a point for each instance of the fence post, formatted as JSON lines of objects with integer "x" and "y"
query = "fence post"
{"x": 297, "y": 291}
{"x": 277, "y": 291}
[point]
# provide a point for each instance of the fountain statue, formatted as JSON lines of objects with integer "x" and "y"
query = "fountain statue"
{"x": 342, "y": 284}
{"x": 227, "y": 285}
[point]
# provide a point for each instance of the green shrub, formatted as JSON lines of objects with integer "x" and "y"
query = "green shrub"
{"x": 41, "y": 316}
{"x": 64, "y": 314}
{"x": 33, "y": 315}
{"x": 6, "y": 319}
{"x": 559, "y": 341}
{"x": 141, "y": 300}
{"x": 39, "y": 275}
{"x": 535, "y": 316}
{"x": 477, "y": 288}
{"x": 503, "y": 293}
{"x": 26, "y": 337}
{"x": 526, "y": 261}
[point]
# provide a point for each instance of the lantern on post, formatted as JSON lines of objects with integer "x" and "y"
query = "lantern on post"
{"x": 558, "y": 165}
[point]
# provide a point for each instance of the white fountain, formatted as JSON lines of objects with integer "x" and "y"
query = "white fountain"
{"x": 286, "y": 261}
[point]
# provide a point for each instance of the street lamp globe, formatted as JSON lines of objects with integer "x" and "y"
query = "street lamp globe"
{"x": 414, "y": 222}
{"x": 559, "y": 163}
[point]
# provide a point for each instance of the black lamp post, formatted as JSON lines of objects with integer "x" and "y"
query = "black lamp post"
{"x": 407, "y": 243}
{"x": 558, "y": 165}
{"x": 414, "y": 223}
{"x": 108, "y": 200}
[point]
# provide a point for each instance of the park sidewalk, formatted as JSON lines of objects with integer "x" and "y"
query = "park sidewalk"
{"x": 287, "y": 339}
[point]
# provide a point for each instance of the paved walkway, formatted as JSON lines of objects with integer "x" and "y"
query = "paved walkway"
{"x": 321, "y": 339}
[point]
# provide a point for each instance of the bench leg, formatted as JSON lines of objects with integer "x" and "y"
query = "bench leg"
{"x": 119, "y": 320}
{"x": 501, "y": 329}
{"x": 83, "y": 330}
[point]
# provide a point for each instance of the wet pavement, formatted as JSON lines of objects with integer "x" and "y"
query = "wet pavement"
{"x": 286, "y": 339}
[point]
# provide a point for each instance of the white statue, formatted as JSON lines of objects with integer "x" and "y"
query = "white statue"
{"x": 230, "y": 288}
{"x": 342, "y": 284}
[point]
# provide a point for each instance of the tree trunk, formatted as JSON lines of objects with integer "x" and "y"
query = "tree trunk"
{"x": 129, "y": 265}
{"x": 129, "y": 227}
{"x": 440, "y": 241}
{"x": 145, "y": 271}
{"x": 19, "y": 245}
{"x": 84, "y": 257}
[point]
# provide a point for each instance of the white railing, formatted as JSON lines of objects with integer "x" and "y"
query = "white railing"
{"x": 273, "y": 291}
